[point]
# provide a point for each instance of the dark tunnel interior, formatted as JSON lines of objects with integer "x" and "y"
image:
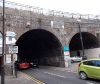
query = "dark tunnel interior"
{"x": 89, "y": 41}
{"x": 41, "y": 45}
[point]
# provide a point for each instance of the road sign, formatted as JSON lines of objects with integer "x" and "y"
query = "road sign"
{"x": 66, "y": 48}
{"x": 10, "y": 33}
{"x": 57, "y": 24}
{"x": 8, "y": 58}
{"x": 13, "y": 49}
{"x": 0, "y": 51}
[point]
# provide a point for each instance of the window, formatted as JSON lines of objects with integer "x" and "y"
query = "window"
{"x": 97, "y": 62}
{"x": 91, "y": 63}
{"x": 85, "y": 63}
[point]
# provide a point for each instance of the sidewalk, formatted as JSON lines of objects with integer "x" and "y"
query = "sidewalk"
{"x": 21, "y": 79}
{"x": 25, "y": 79}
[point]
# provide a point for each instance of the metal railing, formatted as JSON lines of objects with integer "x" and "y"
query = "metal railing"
{"x": 38, "y": 10}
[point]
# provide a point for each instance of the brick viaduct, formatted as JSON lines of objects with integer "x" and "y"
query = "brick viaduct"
{"x": 58, "y": 28}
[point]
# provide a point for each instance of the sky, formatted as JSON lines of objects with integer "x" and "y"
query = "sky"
{"x": 71, "y": 6}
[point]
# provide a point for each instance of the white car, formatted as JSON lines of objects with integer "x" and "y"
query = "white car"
{"x": 75, "y": 59}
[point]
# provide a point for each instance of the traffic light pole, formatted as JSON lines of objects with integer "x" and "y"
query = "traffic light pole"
{"x": 3, "y": 44}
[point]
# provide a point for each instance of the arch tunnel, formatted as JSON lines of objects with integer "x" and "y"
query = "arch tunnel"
{"x": 89, "y": 42}
{"x": 41, "y": 45}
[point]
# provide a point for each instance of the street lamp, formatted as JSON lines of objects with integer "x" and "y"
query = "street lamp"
{"x": 3, "y": 38}
{"x": 81, "y": 38}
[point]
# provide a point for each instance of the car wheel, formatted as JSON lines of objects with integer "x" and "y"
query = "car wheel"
{"x": 83, "y": 75}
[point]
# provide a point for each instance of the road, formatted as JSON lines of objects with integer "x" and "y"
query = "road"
{"x": 53, "y": 76}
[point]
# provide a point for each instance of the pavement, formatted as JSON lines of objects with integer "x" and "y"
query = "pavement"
{"x": 23, "y": 78}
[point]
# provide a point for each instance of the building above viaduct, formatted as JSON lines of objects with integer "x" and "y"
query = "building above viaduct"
{"x": 42, "y": 34}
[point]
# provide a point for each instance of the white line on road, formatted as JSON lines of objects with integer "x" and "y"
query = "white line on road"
{"x": 89, "y": 83}
{"x": 54, "y": 74}
{"x": 67, "y": 70}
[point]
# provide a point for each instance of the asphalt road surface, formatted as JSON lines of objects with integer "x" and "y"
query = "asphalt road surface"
{"x": 53, "y": 76}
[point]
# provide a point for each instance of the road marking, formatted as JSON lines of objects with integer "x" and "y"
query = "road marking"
{"x": 89, "y": 83}
{"x": 54, "y": 74}
{"x": 66, "y": 70}
{"x": 32, "y": 78}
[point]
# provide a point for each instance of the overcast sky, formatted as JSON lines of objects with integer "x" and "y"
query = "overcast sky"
{"x": 72, "y": 6}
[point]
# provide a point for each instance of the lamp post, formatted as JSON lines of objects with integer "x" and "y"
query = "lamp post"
{"x": 3, "y": 38}
{"x": 81, "y": 38}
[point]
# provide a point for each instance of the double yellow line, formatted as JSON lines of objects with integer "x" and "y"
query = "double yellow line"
{"x": 32, "y": 78}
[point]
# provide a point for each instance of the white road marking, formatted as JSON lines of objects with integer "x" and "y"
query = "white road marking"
{"x": 89, "y": 83}
{"x": 66, "y": 70}
{"x": 55, "y": 74}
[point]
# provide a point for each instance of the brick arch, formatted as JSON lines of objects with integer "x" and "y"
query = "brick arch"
{"x": 42, "y": 45}
{"x": 89, "y": 40}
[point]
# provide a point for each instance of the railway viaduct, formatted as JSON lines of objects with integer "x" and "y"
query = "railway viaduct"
{"x": 43, "y": 34}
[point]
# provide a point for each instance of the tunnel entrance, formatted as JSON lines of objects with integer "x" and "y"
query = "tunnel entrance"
{"x": 41, "y": 45}
{"x": 90, "y": 42}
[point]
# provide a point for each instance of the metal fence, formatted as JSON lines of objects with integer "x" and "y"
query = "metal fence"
{"x": 49, "y": 12}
